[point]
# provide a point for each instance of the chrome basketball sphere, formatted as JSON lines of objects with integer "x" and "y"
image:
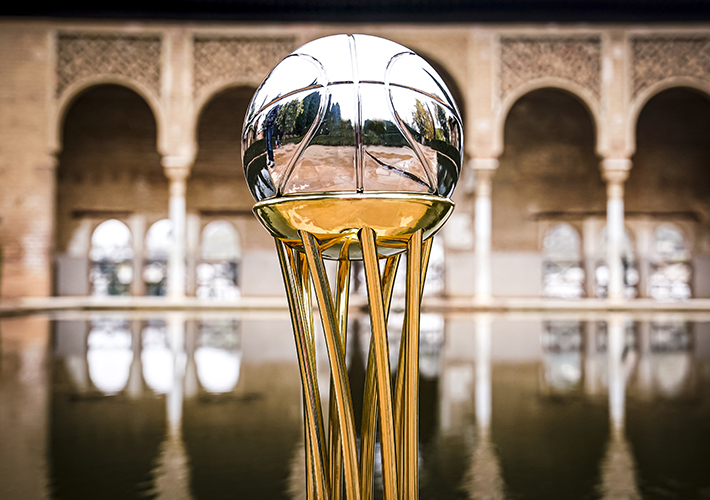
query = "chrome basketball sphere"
{"x": 352, "y": 114}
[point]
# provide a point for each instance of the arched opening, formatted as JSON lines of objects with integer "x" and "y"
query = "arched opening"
{"x": 219, "y": 202}
{"x": 670, "y": 270}
{"x": 563, "y": 270}
{"x": 108, "y": 168}
{"x": 670, "y": 179}
{"x": 158, "y": 242}
{"x": 217, "y": 272}
{"x": 548, "y": 173}
{"x": 629, "y": 264}
{"x": 111, "y": 269}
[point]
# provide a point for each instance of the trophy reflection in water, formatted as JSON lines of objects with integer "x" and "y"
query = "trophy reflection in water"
{"x": 352, "y": 149}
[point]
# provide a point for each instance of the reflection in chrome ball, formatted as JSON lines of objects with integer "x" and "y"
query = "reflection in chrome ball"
{"x": 352, "y": 114}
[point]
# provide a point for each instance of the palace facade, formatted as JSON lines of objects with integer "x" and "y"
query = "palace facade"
{"x": 587, "y": 170}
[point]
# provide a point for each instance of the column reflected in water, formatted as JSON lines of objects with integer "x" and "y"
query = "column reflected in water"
{"x": 483, "y": 479}
{"x": 172, "y": 472}
{"x": 618, "y": 468}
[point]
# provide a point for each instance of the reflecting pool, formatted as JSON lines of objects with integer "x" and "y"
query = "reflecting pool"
{"x": 208, "y": 406}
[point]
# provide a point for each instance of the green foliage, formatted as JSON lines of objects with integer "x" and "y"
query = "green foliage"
{"x": 311, "y": 103}
{"x": 288, "y": 113}
{"x": 424, "y": 121}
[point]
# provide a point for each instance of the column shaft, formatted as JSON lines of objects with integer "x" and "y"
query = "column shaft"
{"x": 177, "y": 170}
{"x": 484, "y": 169}
{"x": 176, "y": 261}
{"x": 615, "y": 172}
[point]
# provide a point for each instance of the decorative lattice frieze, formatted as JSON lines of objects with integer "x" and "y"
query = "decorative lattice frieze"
{"x": 223, "y": 60}
{"x": 658, "y": 58}
{"x": 574, "y": 59}
{"x": 85, "y": 55}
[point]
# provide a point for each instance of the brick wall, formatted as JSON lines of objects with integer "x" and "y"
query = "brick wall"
{"x": 26, "y": 165}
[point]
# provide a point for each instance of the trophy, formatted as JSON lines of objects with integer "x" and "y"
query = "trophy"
{"x": 352, "y": 147}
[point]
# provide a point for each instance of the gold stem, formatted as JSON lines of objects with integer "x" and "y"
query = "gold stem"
{"x": 382, "y": 362}
{"x": 310, "y": 473}
{"x": 343, "y": 398}
{"x": 315, "y": 445}
{"x": 411, "y": 360}
{"x": 342, "y": 289}
{"x": 369, "y": 409}
{"x": 399, "y": 381}
{"x": 298, "y": 262}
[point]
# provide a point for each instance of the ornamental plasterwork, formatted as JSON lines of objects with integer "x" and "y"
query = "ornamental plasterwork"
{"x": 526, "y": 59}
{"x": 86, "y": 55}
{"x": 660, "y": 57}
{"x": 223, "y": 60}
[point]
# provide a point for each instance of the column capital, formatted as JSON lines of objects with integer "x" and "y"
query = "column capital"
{"x": 177, "y": 168}
{"x": 616, "y": 170}
{"x": 487, "y": 164}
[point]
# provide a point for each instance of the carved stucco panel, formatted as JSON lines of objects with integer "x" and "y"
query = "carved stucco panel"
{"x": 85, "y": 55}
{"x": 526, "y": 59}
{"x": 222, "y": 60}
{"x": 661, "y": 57}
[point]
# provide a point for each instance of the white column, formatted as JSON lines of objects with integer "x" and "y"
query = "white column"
{"x": 192, "y": 240}
{"x": 136, "y": 224}
{"x": 615, "y": 171}
{"x": 484, "y": 169}
{"x": 177, "y": 170}
{"x": 644, "y": 244}
{"x": 590, "y": 233}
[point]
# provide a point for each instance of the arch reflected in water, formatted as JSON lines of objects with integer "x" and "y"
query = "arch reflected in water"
{"x": 157, "y": 357}
{"x": 670, "y": 357}
{"x": 218, "y": 356}
{"x": 562, "y": 358}
{"x": 109, "y": 354}
{"x": 111, "y": 271}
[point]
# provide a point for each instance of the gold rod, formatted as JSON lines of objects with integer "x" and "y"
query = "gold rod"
{"x": 342, "y": 294}
{"x": 369, "y": 407}
{"x": 411, "y": 381}
{"x": 313, "y": 438}
{"x": 337, "y": 365}
{"x": 310, "y": 453}
{"x": 298, "y": 262}
{"x": 399, "y": 381}
{"x": 382, "y": 362}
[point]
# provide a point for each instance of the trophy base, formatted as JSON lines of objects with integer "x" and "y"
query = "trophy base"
{"x": 335, "y": 219}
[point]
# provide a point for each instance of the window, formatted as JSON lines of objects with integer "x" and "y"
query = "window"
{"x": 670, "y": 271}
{"x": 220, "y": 254}
{"x": 563, "y": 273}
{"x": 158, "y": 242}
{"x": 111, "y": 269}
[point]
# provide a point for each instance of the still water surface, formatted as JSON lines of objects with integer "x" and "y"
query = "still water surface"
{"x": 209, "y": 407}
